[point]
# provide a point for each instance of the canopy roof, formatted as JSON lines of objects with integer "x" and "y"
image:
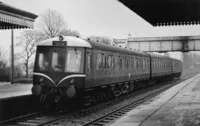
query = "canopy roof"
{"x": 13, "y": 18}
{"x": 166, "y": 12}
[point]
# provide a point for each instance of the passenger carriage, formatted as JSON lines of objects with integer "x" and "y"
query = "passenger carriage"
{"x": 177, "y": 68}
{"x": 161, "y": 67}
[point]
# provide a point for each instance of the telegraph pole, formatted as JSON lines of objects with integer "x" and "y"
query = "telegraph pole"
{"x": 12, "y": 57}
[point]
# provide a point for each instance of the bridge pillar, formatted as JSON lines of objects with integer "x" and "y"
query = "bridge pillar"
{"x": 185, "y": 44}
{"x": 186, "y": 62}
{"x": 190, "y": 63}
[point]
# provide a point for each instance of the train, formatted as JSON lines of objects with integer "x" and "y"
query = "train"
{"x": 68, "y": 68}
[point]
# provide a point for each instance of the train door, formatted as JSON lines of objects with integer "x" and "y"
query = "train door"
{"x": 89, "y": 68}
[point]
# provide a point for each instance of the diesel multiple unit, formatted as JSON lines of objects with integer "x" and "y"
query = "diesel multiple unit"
{"x": 70, "y": 67}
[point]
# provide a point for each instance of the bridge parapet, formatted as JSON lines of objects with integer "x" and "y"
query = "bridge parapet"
{"x": 163, "y": 44}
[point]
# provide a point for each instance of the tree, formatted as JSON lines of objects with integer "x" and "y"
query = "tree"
{"x": 103, "y": 39}
{"x": 27, "y": 42}
{"x": 70, "y": 33}
{"x": 3, "y": 62}
{"x": 4, "y": 69}
{"x": 52, "y": 24}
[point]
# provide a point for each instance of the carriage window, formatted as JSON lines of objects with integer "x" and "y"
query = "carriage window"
{"x": 132, "y": 62}
{"x": 144, "y": 64}
{"x": 113, "y": 62}
{"x": 123, "y": 63}
{"x": 127, "y": 62}
{"x": 74, "y": 60}
{"x": 157, "y": 64}
{"x": 135, "y": 63}
{"x": 163, "y": 64}
{"x": 139, "y": 64}
{"x": 109, "y": 61}
{"x": 89, "y": 62}
{"x": 100, "y": 61}
{"x": 147, "y": 64}
{"x": 120, "y": 62}
{"x": 153, "y": 64}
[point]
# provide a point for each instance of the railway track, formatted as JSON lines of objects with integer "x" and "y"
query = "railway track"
{"x": 119, "y": 110}
{"x": 101, "y": 114}
{"x": 114, "y": 109}
{"x": 35, "y": 119}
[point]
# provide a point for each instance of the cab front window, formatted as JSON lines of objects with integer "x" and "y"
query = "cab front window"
{"x": 58, "y": 59}
{"x": 43, "y": 60}
{"x": 74, "y": 60}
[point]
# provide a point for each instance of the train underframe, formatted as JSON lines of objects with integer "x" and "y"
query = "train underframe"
{"x": 103, "y": 93}
{"x": 99, "y": 94}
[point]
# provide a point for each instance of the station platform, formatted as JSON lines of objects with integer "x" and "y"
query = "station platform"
{"x": 177, "y": 106}
{"x": 8, "y": 90}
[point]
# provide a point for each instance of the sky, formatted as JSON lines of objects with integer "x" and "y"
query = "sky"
{"x": 97, "y": 17}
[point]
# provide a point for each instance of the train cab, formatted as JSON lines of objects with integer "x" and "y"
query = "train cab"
{"x": 59, "y": 66}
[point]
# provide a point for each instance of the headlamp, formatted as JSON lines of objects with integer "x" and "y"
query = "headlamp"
{"x": 41, "y": 79}
{"x": 72, "y": 81}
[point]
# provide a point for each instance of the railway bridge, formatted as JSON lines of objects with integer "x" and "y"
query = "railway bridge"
{"x": 162, "y": 44}
{"x": 183, "y": 44}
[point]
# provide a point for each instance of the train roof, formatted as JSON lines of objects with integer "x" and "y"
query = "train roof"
{"x": 174, "y": 59}
{"x": 71, "y": 41}
{"x": 163, "y": 57}
{"x": 78, "y": 42}
{"x": 159, "y": 56}
{"x": 113, "y": 48}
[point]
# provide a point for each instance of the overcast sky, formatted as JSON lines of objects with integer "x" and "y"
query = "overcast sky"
{"x": 98, "y": 17}
{"x": 101, "y": 17}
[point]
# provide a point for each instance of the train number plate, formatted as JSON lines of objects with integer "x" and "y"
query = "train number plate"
{"x": 59, "y": 43}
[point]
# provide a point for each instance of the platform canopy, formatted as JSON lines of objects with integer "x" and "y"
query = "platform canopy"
{"x": 166, "y": 12}
{"x": 14, "y": 18}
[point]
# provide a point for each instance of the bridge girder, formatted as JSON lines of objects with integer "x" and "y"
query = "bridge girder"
{"x": 162, "y": 44}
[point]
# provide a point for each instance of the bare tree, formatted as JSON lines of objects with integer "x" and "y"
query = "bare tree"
{"x": 70, "y": 33}
{"x": 3, "y": 62}
{"x": 27, "y": 42}
{"x": 103, "y": 39}
{"x": 4, "y": 69}
{"x": 53, "y": 23}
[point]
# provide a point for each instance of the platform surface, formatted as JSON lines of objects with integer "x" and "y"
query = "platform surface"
{"x": 8, "y": 90}
{"x": 177, "y": 106}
